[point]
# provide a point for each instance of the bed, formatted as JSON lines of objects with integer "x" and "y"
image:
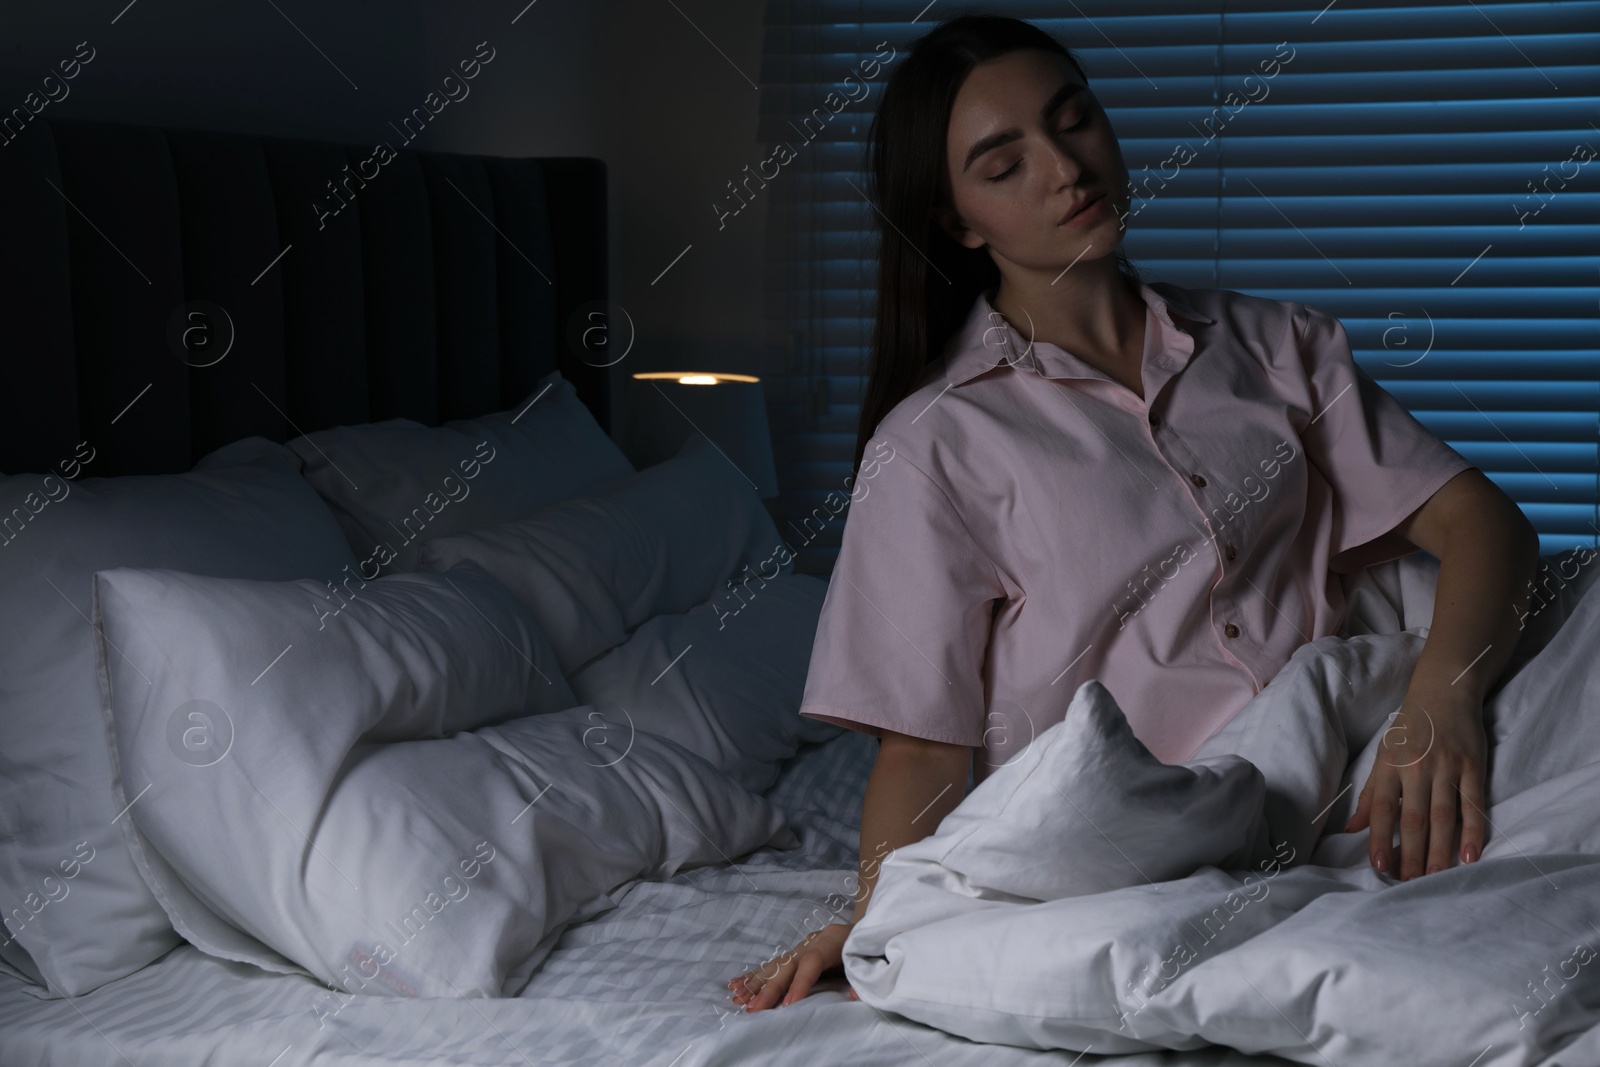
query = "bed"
{"x": 361, "y": 720}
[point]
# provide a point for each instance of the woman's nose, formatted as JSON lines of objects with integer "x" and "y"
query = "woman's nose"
{"x": 1068, "y": 169}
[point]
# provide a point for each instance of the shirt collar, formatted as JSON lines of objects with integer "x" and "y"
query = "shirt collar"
{"x": 986, "y": 340}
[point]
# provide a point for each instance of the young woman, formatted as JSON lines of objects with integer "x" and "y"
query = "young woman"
{"x": 1078, "y": 475}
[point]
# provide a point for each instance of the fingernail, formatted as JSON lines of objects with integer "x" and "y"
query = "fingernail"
{"x": 1470, "y": 854}
{"x": 1382, "y": 862}
{"x": 1433, "y": 868}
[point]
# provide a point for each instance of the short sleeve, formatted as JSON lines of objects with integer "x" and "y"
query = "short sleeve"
{"x": 905, "y": 623}
{"x": 1380, "y": 462}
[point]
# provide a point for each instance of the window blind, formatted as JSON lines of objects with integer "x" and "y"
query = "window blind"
{"x": 1425, "y": 171}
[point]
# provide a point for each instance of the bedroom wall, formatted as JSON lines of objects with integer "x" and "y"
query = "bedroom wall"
{"x": 659, "y": 90}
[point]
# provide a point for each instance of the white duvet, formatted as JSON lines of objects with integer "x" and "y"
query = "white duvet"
{"x": 1088, "y": 897}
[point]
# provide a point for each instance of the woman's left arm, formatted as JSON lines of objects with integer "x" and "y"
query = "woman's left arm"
{"x": 1488, "y": 554}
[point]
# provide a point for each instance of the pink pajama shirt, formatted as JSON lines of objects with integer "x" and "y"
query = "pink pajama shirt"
{"x": 1022, "y": 523}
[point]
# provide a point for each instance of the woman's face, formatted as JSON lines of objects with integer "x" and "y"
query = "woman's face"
{"x": 1027, "y": 144}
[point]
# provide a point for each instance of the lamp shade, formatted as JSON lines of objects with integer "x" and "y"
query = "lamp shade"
{"x": 663, "y": 408}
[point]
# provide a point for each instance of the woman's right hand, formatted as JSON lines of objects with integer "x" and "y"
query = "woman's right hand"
{"x": 914, "y": 784}
{"x": 791, "y": 974}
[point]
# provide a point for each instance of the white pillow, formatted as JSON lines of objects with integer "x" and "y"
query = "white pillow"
{"x": 593, "y": 567}
{"x": 331, "y": 793}
{"x": 392, "y": 483}
{"x": 723, "y": 680}
{"x": 72, "y": 896}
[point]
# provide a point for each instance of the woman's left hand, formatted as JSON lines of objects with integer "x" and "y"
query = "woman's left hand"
{"x": 1433, "y": 756}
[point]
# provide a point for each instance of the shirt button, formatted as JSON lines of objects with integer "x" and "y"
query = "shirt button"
{"x": 1231, "y": 630}
{"x": 1229, "y": 551}
{"x": 1197, "y": 480}
{"x": 1155, "y": 420}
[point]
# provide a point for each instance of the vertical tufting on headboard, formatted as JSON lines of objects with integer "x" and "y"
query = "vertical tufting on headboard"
{"x": 344, "y": 288}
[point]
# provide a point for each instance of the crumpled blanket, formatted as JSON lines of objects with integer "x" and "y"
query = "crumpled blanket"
{"x": 1088, "y": 897}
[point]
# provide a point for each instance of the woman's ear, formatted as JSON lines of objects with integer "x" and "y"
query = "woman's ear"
{"x": 951, "y": 224}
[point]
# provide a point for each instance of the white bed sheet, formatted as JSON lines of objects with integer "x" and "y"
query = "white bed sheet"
{"x": 642, "y": 984}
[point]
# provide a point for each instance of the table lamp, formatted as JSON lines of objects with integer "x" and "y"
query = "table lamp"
{"x": 664, "y": 407}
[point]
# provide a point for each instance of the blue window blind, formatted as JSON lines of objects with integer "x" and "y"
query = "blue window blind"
{"x": 1427, "y": 172}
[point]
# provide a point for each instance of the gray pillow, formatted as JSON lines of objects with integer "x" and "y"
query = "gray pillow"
{"x": 593, "y": 567}
{"x": 392, "y": 484}
{"x": 78, "y": 912}
{"x": 398, "y": 799}
{"x": 723, "y": 680}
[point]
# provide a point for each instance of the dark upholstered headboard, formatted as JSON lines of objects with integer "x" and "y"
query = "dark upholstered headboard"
{"x": 357, "y": 286}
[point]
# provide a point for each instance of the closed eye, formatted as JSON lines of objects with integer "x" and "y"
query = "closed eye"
{"x": 1003, "y": 175}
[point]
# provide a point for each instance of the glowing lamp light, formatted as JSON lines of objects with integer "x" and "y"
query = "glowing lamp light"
{"x": 695, "y": 377}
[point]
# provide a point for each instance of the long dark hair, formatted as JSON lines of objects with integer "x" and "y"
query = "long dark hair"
{"x": 918, "y": 309}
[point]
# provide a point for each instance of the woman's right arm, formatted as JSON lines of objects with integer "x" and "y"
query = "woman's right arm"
{"x": 914, "y": 784}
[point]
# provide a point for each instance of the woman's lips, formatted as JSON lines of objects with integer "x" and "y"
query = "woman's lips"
{"x": 1086, "y": 213}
